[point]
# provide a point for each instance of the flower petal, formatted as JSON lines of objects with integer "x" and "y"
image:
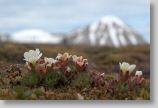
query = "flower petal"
{"x": 132, "y": 67}
{"x": 74, "y": 57}
{"x": 139, "y": 73}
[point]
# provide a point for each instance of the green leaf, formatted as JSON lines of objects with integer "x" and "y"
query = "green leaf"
{"x": 31, "y": 79}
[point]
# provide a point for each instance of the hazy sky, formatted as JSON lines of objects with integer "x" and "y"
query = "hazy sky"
{"x": 66, "y": 15}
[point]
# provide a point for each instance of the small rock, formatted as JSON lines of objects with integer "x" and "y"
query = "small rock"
{"x": 80, "y": 97}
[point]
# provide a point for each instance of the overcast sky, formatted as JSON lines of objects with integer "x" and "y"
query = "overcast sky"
{"x": 58, "y": 16}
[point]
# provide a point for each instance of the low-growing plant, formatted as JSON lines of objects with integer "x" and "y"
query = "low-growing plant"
{"x": 52, "y": 79}
{"x": 53, "y": 72}
{"x": 39, "y": 92}
{"x": 31, "y": 79}
{"x": 82, "y": 81}
{"x": 22, "y": 92}
{"x": 49, "y": 78}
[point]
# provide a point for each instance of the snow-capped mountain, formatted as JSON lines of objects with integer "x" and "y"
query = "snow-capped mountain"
{"x": 35, "y": 36}
{"x": 108, "y": 31}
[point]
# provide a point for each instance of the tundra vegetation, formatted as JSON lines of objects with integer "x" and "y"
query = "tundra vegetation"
{"x": 71, "y": 73}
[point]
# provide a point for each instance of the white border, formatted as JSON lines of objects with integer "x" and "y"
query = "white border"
{"x": 153, "y": 103}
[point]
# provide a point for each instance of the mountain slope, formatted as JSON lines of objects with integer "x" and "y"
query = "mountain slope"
{"x": 108, "y": 31}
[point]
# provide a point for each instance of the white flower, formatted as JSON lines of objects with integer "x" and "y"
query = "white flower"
{"x": 63, "y": 57}
{"x": 59, "y": 56}
{"x": 32, "y": 56}
{"x": 127, "y": 67}
{"x": 79, "y": 60}
{"x": 138, "y": 73}
{"x": 74, "y": 58}
{"x": 49, "y": 61}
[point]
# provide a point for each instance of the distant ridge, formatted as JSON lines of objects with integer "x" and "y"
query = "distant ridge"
{"x": 108, "y": 31}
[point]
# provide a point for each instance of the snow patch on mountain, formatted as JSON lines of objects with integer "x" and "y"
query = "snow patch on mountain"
{"x": 35, "y": 36}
